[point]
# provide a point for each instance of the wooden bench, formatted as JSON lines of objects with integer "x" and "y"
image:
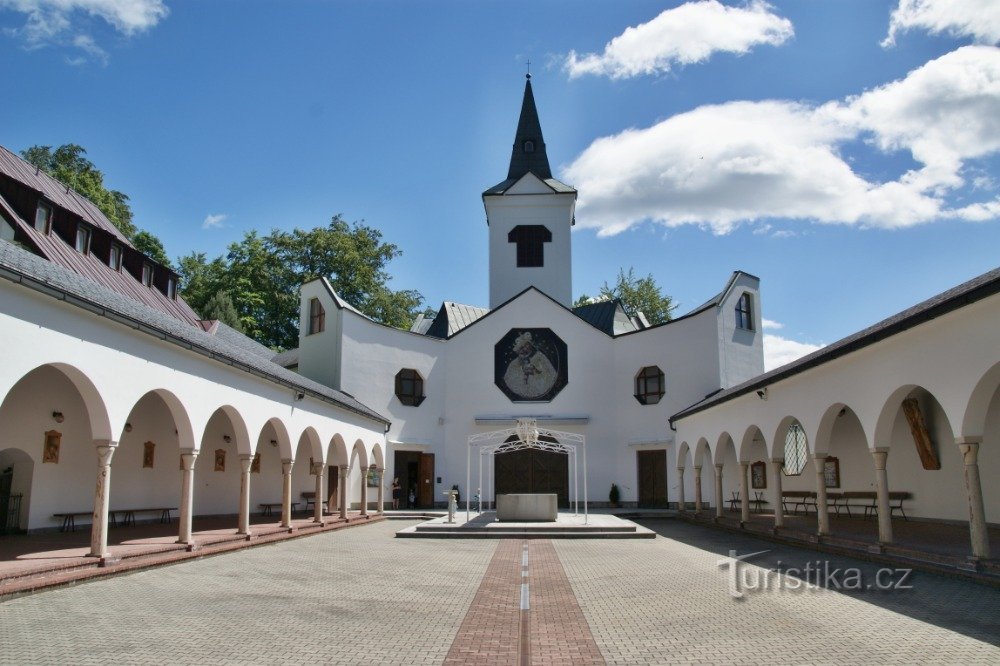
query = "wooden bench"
{"x": 128, "y": 517}
{"x": 266, "y": 508}
{"x": 69, "y": 519}
{"x": 310, "y": 500}
{"x": 896, "y": 499}
{"x": 759, "y": 501}
{"x": 797, "y": 498}
{"x": 860, "y": 499}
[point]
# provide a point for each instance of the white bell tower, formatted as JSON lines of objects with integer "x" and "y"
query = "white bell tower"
{"x": 530, "y": 215}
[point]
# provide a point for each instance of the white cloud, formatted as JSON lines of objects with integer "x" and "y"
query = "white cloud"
{"x": 778, "y": 350}
{"x": 214, "y": 221}
{"x": 772, "y": 325}
{"x": 979, "y": 19}
{"x": 58, "y": 22}
{"x": 685, "y": 35}
{"x": 721, "y": 165}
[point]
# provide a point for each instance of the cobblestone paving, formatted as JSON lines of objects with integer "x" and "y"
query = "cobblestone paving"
{"x": 356, "y": 596}
{"x": 667, "y": 601}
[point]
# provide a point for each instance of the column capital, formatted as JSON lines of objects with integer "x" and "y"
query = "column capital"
{"x": 880, "y": 455}
{"x": 968, "y": 440}
{"x": 970, "y": 452}
{"x": 777, "y": 461}
{"x": 290, "y": 461}
{"x": 317, "y": 469}
{"x": 697, "y": 468}
{"x": 188, "y": 459}
{"x": 680, "y": 469}
{"x": 104, "y": 453}
{"x": 105, "y": 442}
{"x": 718, "y": 467}
{"x": 744, "y": 464}
{"x": 286, "y": 467}
{"x": 819, "y": 457}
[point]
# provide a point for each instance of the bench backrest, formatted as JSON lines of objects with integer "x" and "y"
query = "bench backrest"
{"x": 797, "y": 493}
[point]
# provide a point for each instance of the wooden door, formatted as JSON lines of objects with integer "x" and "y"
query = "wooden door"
{"x": 332, "y": 485}
{"x": 652, "y": 478}
{"x": 533, "y": 471}
{"x": 425, "y": 492}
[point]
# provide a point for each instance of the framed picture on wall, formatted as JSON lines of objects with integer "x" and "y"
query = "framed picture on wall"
{"x": 758, "y": 475}
{"x": 831, "y": 472}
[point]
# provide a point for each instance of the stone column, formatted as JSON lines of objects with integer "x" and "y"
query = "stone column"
{"x": 286, "y": 492}
{"x": 680, "y": 489}
{"x": 99, "y": 526}
{"x": 744, "y": 493}
{"x": 779, "y": 508}
{"x": 822, "y": 512}
{"x": 882, "y": 496}
{"x": 344, "y": 474}
{"x": 969, "y": 446}
{"x": 317, "y": 470}
{"x": 187, "y": 498}
{"x": 364, "y": 491}
{"x": 697, "y": 488}
{"x": 718, "y": 490}
{"x": 380, "y": 494}
{"x": 246, "y": 460}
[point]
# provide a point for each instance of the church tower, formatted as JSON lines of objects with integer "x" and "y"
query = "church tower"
{"x": 529, "y": 216}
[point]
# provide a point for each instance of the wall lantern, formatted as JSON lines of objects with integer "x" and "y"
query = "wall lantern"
{"x": 58, "y": 417}
{"x": 227, "y": 439}
{"x": 128, "y": 427}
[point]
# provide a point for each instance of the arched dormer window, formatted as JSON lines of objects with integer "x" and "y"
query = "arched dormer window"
{"x": 529, "y": 146}
{"x": 744, "y": 312}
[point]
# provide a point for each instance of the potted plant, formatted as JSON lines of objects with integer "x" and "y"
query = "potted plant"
{"x": 614, "y": 495}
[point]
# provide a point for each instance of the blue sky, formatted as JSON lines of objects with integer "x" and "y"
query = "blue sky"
{"x": 845, "y": 151}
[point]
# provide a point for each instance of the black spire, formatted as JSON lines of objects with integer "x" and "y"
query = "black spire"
{"x": 529, "y": 147}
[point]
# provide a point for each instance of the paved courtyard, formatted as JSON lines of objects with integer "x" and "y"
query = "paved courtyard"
{"x": 360, "y": 596}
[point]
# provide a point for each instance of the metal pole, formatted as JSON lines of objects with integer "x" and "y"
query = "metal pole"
{"x": 480, "y": 493}
{"x": 576, "y": 486}
{"x": 468, "y": 473}
{"x": 586, "y": 515}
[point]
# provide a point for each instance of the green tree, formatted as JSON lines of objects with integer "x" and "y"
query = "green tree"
{"x": 262, "y": 274}
{"x": 220, "y": 306}
{"x": 640, "y": 295}
{"x": 69, "y": 165}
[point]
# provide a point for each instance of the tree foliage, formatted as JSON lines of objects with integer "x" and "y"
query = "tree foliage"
{"x": 262, "y": 275}
{"x": 640, "y": 295}
{"x": 69, "y": 165}
{"x": 221, "y": 307}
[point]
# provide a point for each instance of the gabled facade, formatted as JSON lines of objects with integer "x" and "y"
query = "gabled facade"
{"x": 591, "y": 369}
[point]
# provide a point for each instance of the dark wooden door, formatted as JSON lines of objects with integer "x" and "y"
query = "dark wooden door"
{"x": 652, "y": 478}
{"x": 533, "y": 471}
{"x": 332, "y": 485}
{"x": 6, "y": 478}
{"x": 425, "y": 492}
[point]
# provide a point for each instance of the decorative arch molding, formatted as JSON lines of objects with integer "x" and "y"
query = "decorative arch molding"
{"x": 702, "y": 453}
{"x": 378, "y": 456}
{"x": 314, "y": 445}
{"x": 882, "y": 437}
{"x": 93, "y": 401}
{"x": 338, "y": 451}
{"x": 240, "y": 432}
{"x": 178, "y": 413}
{"x": 281, "y": 436}
{"x": 750, "y": 435}
{"x": 977, "y": 406}
{"x": 360, "y": 453}
{"x": 724, "y": 441}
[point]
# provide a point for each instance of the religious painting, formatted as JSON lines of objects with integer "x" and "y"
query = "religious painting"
{"x": 255, "y": 465}
{"x": 220, "y": 460}
{"x": 758, "y": 475}
{"x": 831, "y": 472}
{"x": 372, "y": 478}
{"x": 530, "y": 365}
{"x": 147, "y": 454}
{"x": 50, "y": 451}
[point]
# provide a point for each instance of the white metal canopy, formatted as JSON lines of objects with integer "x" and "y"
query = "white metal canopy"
{"x": 526, "y": 435}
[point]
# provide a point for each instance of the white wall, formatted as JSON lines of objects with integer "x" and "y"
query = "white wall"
{"x": 530, "y": 202}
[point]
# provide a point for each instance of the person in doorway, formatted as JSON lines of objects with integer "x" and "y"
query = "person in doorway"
{"x": 413, "y": 497}
{"x": 396, "y": 490}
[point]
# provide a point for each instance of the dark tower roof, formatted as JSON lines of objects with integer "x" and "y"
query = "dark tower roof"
{"x": 529, "y": 147}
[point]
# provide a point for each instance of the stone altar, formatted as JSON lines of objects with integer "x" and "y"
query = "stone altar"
{"x": 527, "y": 507}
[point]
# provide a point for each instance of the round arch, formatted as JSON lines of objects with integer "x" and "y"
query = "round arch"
{"x": 702, "y": 452}
{"x": 974, "y": 418}
{"x": 752, "y": 435}
{"x": 722, "y": 444}
{"x": 338, "y": 451}
{"x": 361, "y": 453}
{"x": 240, "y": 433}
{"x": 777, "y": 444}
{"x": 682, "y": 454}
{"x": 284, "y": 442}
{"x": 378, "y": 456}
{"x": 890, "y": 408}
{"x": 94, "y": 405}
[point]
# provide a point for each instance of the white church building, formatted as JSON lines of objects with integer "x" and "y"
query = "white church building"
{"x": 104, "y": 368}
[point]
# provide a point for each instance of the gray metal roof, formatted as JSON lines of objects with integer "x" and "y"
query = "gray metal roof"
{"x": 529, "y": 131}
{"x": 607, "y": 316}
{"x": 287, "y": 359}
{"x": 452, "y": 318}
{"x": 421, "y": 324}
{"x": 23, "y": 267}
{"x": 974, "y": 290}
